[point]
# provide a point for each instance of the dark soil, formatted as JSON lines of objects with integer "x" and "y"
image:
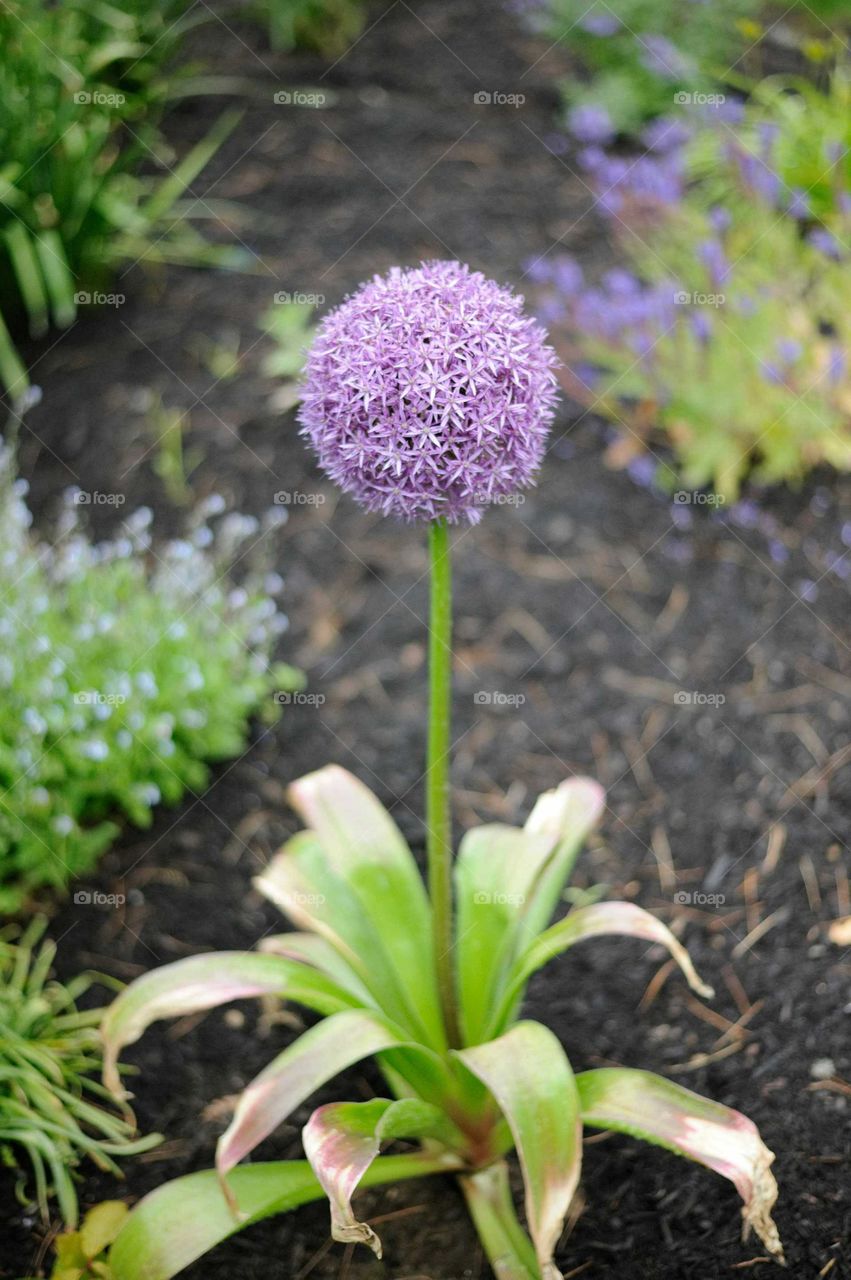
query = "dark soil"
{"x": 586, "y": 601}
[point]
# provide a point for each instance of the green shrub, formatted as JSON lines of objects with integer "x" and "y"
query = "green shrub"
{"x": 82, "y": 86}
{"x": 123, "y": 670}
{"x": 324, "y": 26}
{"x": 640, "y": 55}
{"x": 52, "y": 1111}
{"x": 729, "y": 337}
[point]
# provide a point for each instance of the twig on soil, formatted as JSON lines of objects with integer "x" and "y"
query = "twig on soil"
{"x": 817, "y": 779}
{"x": 826, "y": 676}
{"x": 833, "y": 1085}
{"x": 738, "y": 1029}
{"x": 661, "y": 846}
{"x": 776, "y": 842}
{"x": 810, "y": 879}
{"x": 656, "y": 984}
{"x": 675, "y": 607}
{"x": 750, "y": 893}
{"x": 752, "y": 938}
{"x": 640, "y": 768}
{"x": 805, "y": 733}
{"x": 737, "y": 991}
{"x": 314, "y": 1262}
{"x": 699, "y": 1060}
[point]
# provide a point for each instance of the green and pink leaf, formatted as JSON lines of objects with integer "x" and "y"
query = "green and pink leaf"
{"x": 204, "y": 982}
{"x": 341, "y": 1140}
{"x": 529, "y": 1075}
{"x": 647, "y": 1106}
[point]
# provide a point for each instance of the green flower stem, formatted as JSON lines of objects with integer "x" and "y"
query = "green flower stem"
{"x": 438, "y": 812}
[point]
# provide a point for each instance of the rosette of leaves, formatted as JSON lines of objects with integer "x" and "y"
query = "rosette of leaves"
{"x": 362, "y": 958}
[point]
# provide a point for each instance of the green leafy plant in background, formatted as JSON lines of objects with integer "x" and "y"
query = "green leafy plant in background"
{"x": 126, "y": 668}
{"x": 324, "y": 26}
{"x": 800, "y": 135}
{"x": 428, "y": 395}
{"x": 725, "y": 333}
{"x": 642, "y": 56}
{"x": 83, "y": 86}
{"x": 54, "y": 1112}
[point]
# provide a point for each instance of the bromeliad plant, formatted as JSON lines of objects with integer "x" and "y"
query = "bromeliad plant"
{"x": 428, "y": 394}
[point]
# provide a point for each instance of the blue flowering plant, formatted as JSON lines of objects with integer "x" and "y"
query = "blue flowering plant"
{"x": 126, "y": 668}
{"x": 725, "y": 332}
{"x": 429, "y": 393}
{"x": 641, "y": 56}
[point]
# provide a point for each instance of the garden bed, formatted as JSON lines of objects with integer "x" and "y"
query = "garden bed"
{"x": 589, "y": 602}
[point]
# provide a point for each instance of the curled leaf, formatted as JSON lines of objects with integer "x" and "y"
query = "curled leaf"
{"x": 649, "y": 1107}
{"x": 341, "y": 1141}
{"x": 590, "y": 922}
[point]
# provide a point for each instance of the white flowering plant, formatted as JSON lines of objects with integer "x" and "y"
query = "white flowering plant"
{"x": 428, "y": 393}
{"x": 125, "y": 669}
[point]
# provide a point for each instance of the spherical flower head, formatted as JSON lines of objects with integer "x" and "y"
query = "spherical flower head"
{"x": 429, "y": 393}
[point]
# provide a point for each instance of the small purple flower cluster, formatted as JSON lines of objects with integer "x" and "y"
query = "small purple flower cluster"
{"x": 626, "y": 184}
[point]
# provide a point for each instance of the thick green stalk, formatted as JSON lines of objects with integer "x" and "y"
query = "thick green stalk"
{"x": 438, "y": 812}
{"x": 509, "y": 1250}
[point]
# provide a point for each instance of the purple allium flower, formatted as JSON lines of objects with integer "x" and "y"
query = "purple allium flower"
{"x": 429, "y": 392}
{"x": 590, "y": 124}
